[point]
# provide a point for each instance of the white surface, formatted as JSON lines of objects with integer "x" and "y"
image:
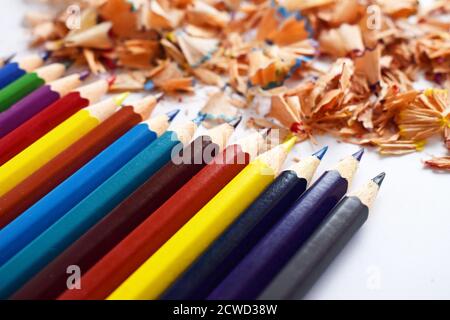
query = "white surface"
{"x": 402, "y": 252}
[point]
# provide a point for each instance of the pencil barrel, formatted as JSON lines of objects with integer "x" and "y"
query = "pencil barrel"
{"x": 103, "y": 236}
{"x": 265, "y": 260}
{"x": 10, "y": 73}
{"x": 220, "y": 258}
{"x": 26, "y": 108}
{"x": 31, "y": 130}
{"x": 310, "y": 262}
{"x": 19, "y": 89}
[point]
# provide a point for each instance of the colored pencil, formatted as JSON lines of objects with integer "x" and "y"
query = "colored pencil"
{"x": 118, "y": 223}
{"x": 37, "y": 101}
{"x": 69, "y": 193}
{"x": 59, "y": 111}
{"x": 13, "y": 70}
{"x": 73, "y": 158}
{"x": 54, "y": 142}
{"x": 141, "y": 243}
{"x": 7, "y": 59}
{"x": 28, "y": 262}
{"x": 29, "y": 82}
{"x": 254, "y": 272}
{"x": 157, "y": 273}
{"x": 223, "y": 255}
{"x": 310, "y": 262}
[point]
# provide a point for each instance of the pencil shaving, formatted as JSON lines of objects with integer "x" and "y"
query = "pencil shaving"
{"x": 275, "y": 49}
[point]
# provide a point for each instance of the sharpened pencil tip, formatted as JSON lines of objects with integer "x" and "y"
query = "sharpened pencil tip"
{"x": 234, "y": 123}
{"x": 379, "y": 178}
{"x": 159, "y": 96}
{"x": 9, "y": 58}
{"x": 67, "y": 63}
{"x": 149, "y": 85}
{"x": 84, "y": 74}
{"x": 319, "y": 154}
{"x": 172, "y": 114}
{"x": 45, "y": 55}
{"x": 358, "y": 155}
{"x": 121, "y": 98}
{"x": 289, "y": 144}
{"x": 199, "y": 119}
{"x": 266, "y": 132}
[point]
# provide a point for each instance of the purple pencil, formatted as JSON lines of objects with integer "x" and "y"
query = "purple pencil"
{"x": 254, "y": 272}
{"x": 37, "y": 101}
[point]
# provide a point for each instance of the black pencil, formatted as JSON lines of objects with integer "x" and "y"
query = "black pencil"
{"x": 308, "y": 264}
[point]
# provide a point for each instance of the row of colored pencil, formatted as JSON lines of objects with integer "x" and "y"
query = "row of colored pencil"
{"x": 147, "y": 212}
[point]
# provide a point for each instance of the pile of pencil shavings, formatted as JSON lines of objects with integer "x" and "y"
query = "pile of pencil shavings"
{"x": 264, "y": 48}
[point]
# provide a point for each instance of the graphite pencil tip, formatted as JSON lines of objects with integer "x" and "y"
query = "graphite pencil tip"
{"x": 45, "y": 55}
{"x": 9, "y": 58}
{"x": 265, "y": 133}
{"x": 172, "y": 114}
{"x": 159, "y": 96}
{"x": 358, "y": 155}
{"x": 84, "y": 74}
{"x": 234, "y": 123}
{"x": 118, "y": 100}
{"x": 289, "y": 144}
{"x": 319, "y": 154}
{"x": 199, "y": 119}
{"x": 67, "y": 63}
{"x": 379, "y": 179}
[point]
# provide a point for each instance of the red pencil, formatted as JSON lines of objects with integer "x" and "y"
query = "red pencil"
{"x": 121, "y": 261}
{"x": 43, "y": 122}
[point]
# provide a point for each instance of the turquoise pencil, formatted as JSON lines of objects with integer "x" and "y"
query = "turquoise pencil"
{"x": 32, "y": 222}
{"x": 90, "y": 210}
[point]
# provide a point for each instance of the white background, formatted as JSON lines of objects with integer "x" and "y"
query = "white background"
{"x": 403, "y": 250}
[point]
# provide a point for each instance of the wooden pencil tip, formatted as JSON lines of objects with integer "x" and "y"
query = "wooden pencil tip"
{"x": 149, "y": 85}
{"x": 234, "y": 123}
{"x": 159, "y": 96}
{"x": 172, "y": 114}
{"x": 118, "y": 100}
{"x": 379, "y": 179}
{"x": 358, "y": 155}
{"x": 320, "y": 154}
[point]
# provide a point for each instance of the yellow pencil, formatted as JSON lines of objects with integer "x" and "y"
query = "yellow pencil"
{"x": 54, "y": 142}
{"x": 156, "y": 274}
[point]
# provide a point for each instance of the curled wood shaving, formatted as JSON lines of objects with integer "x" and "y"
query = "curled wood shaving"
{"x": 365, "y": 93}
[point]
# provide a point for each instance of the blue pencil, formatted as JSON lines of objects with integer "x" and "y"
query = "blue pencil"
{"x": 12, "y": 71}
{"x": 90, "y": 210}
{"x": 32, "y": 222}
